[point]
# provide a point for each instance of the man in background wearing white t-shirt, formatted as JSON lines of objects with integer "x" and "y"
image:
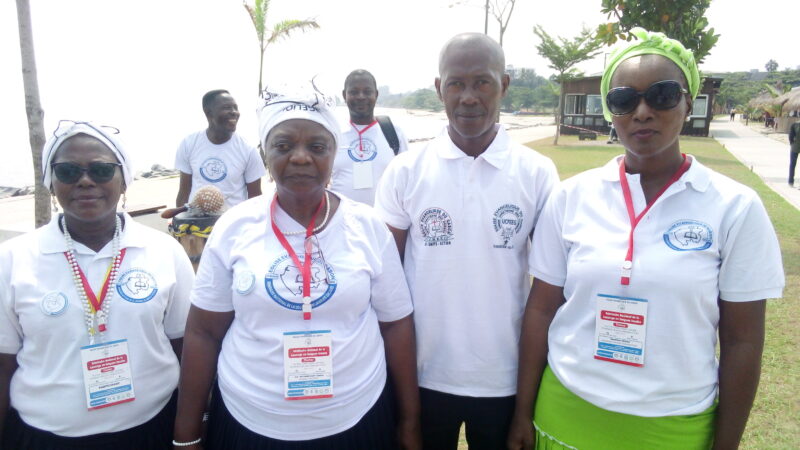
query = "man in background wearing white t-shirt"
{"x": 365, "y": 149}
{"x": 218, "y": 155}
{"x": 462, "y": 211}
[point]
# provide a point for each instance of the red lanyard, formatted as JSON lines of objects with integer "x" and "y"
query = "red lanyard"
{"x": 627, "y": 266}
{"x": 360, "y": 132}
{"x": 305, "y": 266}
{"x": 96, "y": 303}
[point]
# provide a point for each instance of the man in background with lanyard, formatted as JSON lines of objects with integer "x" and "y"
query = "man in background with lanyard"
{"x": 368, "y": 142}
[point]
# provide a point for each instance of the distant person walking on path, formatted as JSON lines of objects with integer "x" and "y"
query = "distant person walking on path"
{"x": 733, "y": 114}
{"x": 368, "y": 142}
{"x": 640, "y": 267}
{"x": 218, "y": 155}
{"x": 794, "y": 143}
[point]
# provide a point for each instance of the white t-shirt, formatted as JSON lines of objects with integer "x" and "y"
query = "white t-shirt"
{"x": 469, "y": 223}
{"x": 148, "y": 309}
{"x": 706, "y": 237}
{"x": 372, "y": 150}
{"x": 229, "y": 166}
{"x": 357, "y": 281}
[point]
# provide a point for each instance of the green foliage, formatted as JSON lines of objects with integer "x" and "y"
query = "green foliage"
{"x": 682, "y": 20}
{"x": 738, "y": 88}
{"x": 771, "y": 65}
{"x": 564, "y": 55}
{"x": 423, "y": 99}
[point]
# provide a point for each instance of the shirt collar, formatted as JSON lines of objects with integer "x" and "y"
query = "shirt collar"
{"x": 496, "y": 154}
{"x": 51, "y": 239}
{"x": 698, "y": 175}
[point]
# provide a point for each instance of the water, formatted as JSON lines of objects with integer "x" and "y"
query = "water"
{"x": 150, "y": 144}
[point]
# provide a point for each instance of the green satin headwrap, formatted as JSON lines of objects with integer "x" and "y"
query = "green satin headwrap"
{"x": 651, "y": 43}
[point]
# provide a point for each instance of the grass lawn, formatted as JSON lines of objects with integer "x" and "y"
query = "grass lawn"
{"x": 775, "y": 418}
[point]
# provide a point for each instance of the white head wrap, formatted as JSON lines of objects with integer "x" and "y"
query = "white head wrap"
{"x": 107, "y": 135}
{"x": 309, "y": 105}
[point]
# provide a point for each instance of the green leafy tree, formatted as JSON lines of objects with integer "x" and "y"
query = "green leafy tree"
{"x": 771, "y": 65}
{"x": 682, "y": 20}
{"x": 258, "y": 13}
{"x": 563, "y": 56}
{"x": 34, "y": 111}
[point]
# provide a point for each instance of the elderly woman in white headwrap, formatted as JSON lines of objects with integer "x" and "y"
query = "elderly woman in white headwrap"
{"x": 300, "y": 303}
{"x": 92, "y": 311}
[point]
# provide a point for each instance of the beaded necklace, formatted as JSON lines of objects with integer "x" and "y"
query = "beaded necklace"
{"x": 321, "y": 225}
{"x": 91, "y": 314}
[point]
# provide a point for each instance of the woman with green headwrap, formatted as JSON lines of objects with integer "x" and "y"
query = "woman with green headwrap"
{"x": 638, "y": 264}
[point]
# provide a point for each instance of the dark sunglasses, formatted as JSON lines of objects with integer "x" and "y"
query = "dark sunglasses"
{"x": 660, "y": 95}
{"x": 99, "y": 172}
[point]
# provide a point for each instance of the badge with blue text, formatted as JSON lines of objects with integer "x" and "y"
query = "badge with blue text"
{"x": 620, "y": 329}
{"x": 107, "y": 377}
{"x": 307, "y": 365}
{"x": 137, "y": 285}
{"x": 688, "y": 235}
{"x": 54, "y": 303}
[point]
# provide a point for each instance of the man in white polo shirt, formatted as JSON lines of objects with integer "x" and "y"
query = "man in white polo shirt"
{"x": 368, "y": 142}
{"x": 462, "y": 211}
{"x": 218, "y": 155}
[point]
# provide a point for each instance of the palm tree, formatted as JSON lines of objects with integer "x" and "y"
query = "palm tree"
{"x": 258, "y": 13}
{"x": 34, "y": 111}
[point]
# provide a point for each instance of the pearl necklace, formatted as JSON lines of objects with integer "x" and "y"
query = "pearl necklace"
{"x": 100, "y": 317}
{"x": 321, "y": 225}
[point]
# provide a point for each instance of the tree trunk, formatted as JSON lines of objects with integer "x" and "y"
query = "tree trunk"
{"x": 559, "y": 113}
{"x": 260, "y": 70}
{"x": 33, "y": 110}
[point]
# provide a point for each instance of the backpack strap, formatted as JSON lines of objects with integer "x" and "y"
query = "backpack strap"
{"x": 389, "y": 132}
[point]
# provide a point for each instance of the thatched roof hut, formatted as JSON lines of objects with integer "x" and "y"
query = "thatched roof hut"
{"x": 790, "y": 100}
{"x": 763, "y": 99}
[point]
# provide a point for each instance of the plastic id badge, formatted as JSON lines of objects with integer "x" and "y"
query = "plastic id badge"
{"x": 307, "y": 365}
{"x": 620, "y": 329}
{"x": 362, "y": 175}
{"x": 107, "y": 377}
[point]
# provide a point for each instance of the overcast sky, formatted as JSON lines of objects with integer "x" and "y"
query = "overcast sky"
{"x": 143, "y": 65}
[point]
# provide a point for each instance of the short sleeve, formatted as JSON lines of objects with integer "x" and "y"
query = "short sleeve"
{"x": 751, "y": 267}
{"x": 390, "y": 296}
{"x": 178, "y": 307}
{"x": 182, "y": 162}
{"x": 548, "y": 258}
{"x": 212, "y": 285}
{"x": 403, "y": 140}
{"x": 255, "y": 166}
{"x": 10, "y": 329}
{"x": 547, "y": 181}
{"x": 388, "y": 196}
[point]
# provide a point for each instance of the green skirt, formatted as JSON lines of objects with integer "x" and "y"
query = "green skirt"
{"x": 565, "y": 421}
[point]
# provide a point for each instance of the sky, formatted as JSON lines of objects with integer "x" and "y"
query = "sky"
{"x": 143, "y": 65}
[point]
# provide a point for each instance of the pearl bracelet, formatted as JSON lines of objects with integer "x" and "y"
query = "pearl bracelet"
{"x": 186, "y": 444}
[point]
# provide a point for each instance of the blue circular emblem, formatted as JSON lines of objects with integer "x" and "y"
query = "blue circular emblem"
{"x": 284, "y": 283}
{"x": 362, "y": 151}
{"x": 213, "y": 170}
{"x": 54, "y": 303}
{"x": 244, "y": 282}
{"x": 687, "y": 235}
{"x": 137, "y": 286}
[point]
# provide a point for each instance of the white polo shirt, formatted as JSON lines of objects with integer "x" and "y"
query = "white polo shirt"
{"x": 148, "y": 309}
{"x": 228, "y": 166}
{"x": 469, "y": 221}
{"x": 357, "y": 280}
{"x": 706, "y": 237}
{"x": 371, "y": 149}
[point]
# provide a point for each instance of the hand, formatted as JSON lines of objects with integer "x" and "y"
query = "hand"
{"x": 521, "y": 434}
{"x": 409, "y": 434}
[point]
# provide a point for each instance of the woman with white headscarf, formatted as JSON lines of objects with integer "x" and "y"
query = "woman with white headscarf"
{"x": 92, "y": 311}
{"x": 300, "y": 305}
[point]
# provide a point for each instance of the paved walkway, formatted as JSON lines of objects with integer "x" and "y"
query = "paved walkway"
{"x": 765, "y": 156}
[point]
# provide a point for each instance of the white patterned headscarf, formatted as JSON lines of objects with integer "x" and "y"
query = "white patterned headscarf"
{"x": 309, "y": 104}
{"x": 66, "y": 129}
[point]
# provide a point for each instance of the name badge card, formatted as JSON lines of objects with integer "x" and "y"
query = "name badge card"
{"x": 362, "y": 175}
{"x": 307, "y": 365}
{"x": 107, "y": 377}
{"x": 620, "y": 329}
